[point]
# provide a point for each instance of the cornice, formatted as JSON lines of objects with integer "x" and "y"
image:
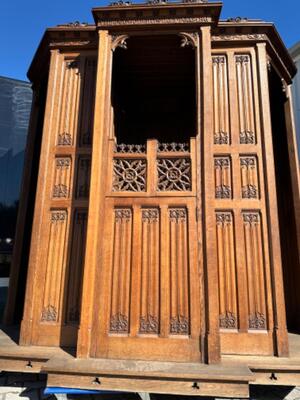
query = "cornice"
{"x": 157, "y": 13}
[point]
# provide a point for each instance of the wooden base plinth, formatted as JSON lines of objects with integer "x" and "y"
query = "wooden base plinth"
{"x": 230, "y": 378}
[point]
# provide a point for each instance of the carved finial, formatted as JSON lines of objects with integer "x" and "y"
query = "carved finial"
{"x": 75, "y": 24}
{"x": 121, "y": 3}
{"x": 157, "y": 2}
{"x": 189, "y": 39}
{"x": 237, "y": 19}
{"x": 119, "y": 41}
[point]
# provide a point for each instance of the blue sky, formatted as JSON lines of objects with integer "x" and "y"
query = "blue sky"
{"x": 24, "y": 21}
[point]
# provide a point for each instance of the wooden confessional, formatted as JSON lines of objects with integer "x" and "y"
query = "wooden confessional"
{"x": 166, "y": 214}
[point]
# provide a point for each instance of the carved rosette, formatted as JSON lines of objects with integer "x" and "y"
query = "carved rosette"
{"x": 149, "y": 324}
{"x": 129, "y": 175}
{"x": 49, "y": 314}
{"x": 228, "y": 321}
{"x": 174, "y": 174}
{"x": 257, "y": 321}
{"x": 119, "y": 323}
{"x": 179, "y": 325}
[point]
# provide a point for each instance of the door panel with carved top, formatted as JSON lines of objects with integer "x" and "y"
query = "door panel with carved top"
{"x": 149, "y": 291}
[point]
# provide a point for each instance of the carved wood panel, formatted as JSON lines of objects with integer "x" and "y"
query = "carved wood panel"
{"x": 223, "y": 180}
{"x": 255, "y": 266}
{"x": 179, "y": 272}
{"x": 221, "y": 101}
{"x": 55, "y": 266}
{"x": 62, "y": 177}
{"x": 150, "y": 271}
{"x": 68, "y": 103}
{"x": 249, "y": 177}
{"x": 245, "y": 96}
{"x": 121, "y": 271}
{"x": 227, "y": 270}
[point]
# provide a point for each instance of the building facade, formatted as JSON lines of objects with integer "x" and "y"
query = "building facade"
{"x": 295, "y": 53}
{"x": 15, "y": 107}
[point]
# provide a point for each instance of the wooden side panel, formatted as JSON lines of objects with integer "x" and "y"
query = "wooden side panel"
{"x": 150, "y": 272}
{"x": 121, "y": 271}
{"x": 55, "y": 267}
{"x": 223, "y": 180}
{"x": 179, "y": 272}
{"x": 227, "y": 270}
{"x": 255, "y": 270}
{"x": 249, "y": 177}
{"x": 68, "y": 103}
{"x": 221, "y": 101}
{"x": 62, "y": 178}
{"x": 77, "y": 253}
{"x": 245, "y": 99}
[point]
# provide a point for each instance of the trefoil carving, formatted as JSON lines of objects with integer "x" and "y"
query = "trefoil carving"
{"x": 60, "y": 191}
{"x": 224, "y": 218}
{"x": 49, "y": 314}
{"x": 177, "y": 214}
{"x": 179, "y": 325}
{"x": 228, "y": 321}
{"x": 123, "y": 215}
{"x": 150, "y": 215}
{"x": 221, "y": 138}
{"x": 58, "y": 216}
{"x": 64, "y": 139}
{"x": 251, "y": 218}
{"x": 119, "y": 323}
{"x": 247, "y": 137}
{"x": 257, "y": 321}
{"x": 149, "y": 324}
